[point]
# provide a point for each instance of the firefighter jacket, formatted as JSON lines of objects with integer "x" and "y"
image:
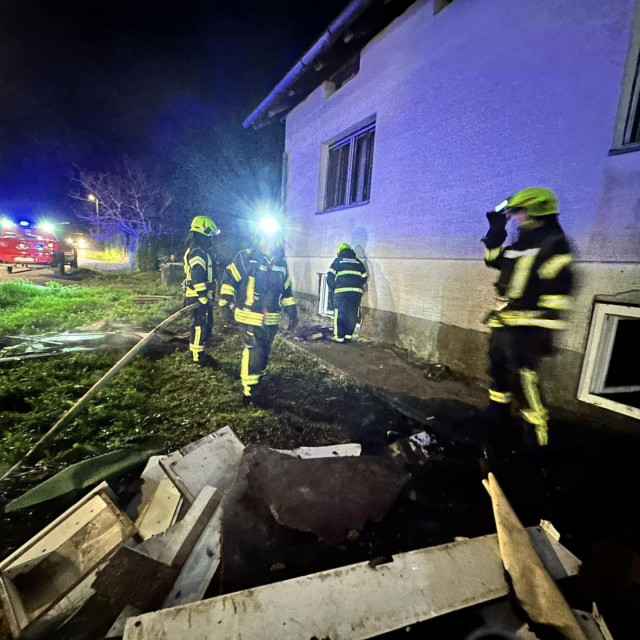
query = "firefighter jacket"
{"x": 347, "y": 273}
{"x": 259, "y": 286}
{"x": 199, "y": 274}
{"x": 536, "y": 277}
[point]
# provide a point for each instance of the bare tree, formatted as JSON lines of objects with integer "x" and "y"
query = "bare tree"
{"x": 126, "y": 201}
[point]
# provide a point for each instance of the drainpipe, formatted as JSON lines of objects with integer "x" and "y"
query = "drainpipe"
{"x": 354, "y": 10}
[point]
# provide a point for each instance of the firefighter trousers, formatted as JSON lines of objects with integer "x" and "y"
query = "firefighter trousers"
{"x": 257, "y": 343}
{"x": 201, "y": 327}
{"x": 514, "y": 359}
{"x": 346, "y": 310}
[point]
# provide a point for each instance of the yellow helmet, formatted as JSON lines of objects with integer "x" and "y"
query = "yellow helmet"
{"x": 538, "y": 201}
{"x": 204, "y": 225}
{"x": 344, "y": 246}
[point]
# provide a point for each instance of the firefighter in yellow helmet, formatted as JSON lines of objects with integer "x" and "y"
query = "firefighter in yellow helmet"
{"x": 533, "y": 289}
{"x": 346, "y": 279}
{"x": 200, "y": 283}
{"x": 256, "y": 287}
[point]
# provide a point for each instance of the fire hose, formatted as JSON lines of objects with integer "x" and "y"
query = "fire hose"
{"x": 72, "y": 413}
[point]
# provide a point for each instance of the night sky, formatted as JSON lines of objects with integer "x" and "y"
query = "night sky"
{"x": 166, "y": 84}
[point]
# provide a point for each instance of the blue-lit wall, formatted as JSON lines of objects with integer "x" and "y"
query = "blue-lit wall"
{"x": 471, "y": 104}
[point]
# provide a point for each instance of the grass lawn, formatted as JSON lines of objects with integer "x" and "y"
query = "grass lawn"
{"x": 31, "y": 308}
{"x": 160, "y": 400}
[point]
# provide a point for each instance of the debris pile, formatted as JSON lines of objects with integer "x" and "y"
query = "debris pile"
{"x": 180, "y": 560}
{"x": 98, "y": 336}
{"x": 312, "y": 333}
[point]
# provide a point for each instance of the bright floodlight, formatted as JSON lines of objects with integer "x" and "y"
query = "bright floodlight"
{"x": 92, "y": 197}
{"x": 47, "y": 227}
{"x": 6, "y": 222}
{"x": 269, "y": 225}
{"x": 24, "y": 223}
{"x": 82, "y": 243}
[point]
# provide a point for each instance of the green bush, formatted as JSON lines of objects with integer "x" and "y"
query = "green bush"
{"x": 148, "y": 255}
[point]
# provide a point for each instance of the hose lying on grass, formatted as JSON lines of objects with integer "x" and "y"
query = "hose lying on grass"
{"x": 106, "y": 378}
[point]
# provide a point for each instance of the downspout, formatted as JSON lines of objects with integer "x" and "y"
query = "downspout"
{"x": 355, "y": 9}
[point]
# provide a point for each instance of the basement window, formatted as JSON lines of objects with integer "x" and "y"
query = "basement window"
{"x": 349, "y": 168}
{"x": 323, "y": 296}
{"x": 610, "y": 373}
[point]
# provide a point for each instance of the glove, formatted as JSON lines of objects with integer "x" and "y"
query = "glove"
{"x": 292, "y": 312}
{"x": 497, "y": 233}
{"x": 497, "y": 221}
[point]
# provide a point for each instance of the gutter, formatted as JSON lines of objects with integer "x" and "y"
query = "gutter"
{"x": 353, "y": 11}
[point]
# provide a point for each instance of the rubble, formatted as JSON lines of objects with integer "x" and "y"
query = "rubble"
{"x": 409, "y": 588}
{"x": 326, "y": 496}
{"x": 210, "y": 461}
{"x": 89, "y": 338}
{"x": 43, "y": 572}
{"x": 312, "y": 333}
{"x": 215, "y": 515}
{"x": 80, "y": 476}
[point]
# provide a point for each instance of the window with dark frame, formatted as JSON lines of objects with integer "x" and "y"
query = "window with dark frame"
{"x": 632, "y": 128}
{"x": 349, "y": 168}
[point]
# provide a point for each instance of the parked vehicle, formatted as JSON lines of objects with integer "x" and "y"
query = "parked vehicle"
{"x": 30, "y": 245}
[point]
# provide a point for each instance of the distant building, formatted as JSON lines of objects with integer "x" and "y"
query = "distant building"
{"x": 407, "y": 121}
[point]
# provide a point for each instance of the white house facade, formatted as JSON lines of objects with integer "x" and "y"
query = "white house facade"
{"x": 433, "y": 120}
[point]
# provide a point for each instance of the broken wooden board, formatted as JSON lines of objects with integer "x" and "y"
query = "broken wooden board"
{"x": 41, "y": 573}
{"x": 330, "y": 451}
{"x": 412, "y": 587}
{"x": 500, "y": 621}
{"x": 161, "y": 511}
{"x": 535, "y": 589}
{"x": 211, "y": 461}
{"x": 200, "y": 566}
{"x": 174, "y": 545}
{"x": 117, "y": 628}
{"x": 133, "y": 578}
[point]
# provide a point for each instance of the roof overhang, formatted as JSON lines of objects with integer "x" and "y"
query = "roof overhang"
{"x": 347, "y": 35}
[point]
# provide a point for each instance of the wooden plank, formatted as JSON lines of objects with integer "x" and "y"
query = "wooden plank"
{"x": 22, "y": 553}
{"x": 352, "y": 602}
{"x": 213, "y": 462}
{"x": 61, "y": 570}
{"x": 121, "y": 579}
{"x": 200, "y": 566}
{"x": 329, "y": 451}
{"x": 174, "y": 545}
{"x": 117, "y": 628}
{"x": 41, "y": 573}
{"x": 161, "y": 511}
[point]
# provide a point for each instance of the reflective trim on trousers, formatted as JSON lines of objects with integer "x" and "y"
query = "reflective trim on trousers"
{"x": 536, "y": 413}
{"x": 502, "y": 397}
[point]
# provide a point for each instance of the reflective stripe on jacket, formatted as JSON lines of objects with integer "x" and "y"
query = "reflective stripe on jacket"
{"x": 199, "y": 273}
{"x": 347, "y": 273}
{"x": 258, "y": 285}
{"x": 536, "y": 277}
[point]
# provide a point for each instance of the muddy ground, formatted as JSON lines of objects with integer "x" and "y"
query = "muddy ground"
{"x": 585, "y": 483}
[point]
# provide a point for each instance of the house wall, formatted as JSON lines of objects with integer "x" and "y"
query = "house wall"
{"x": 472, "y": 104}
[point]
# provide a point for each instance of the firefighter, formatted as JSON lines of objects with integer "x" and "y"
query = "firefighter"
{"x": 255, "y": 288}
{"x": 534, "y": 292}
{"x": 346, "y": 279}
{"x": 200, "y": 283}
